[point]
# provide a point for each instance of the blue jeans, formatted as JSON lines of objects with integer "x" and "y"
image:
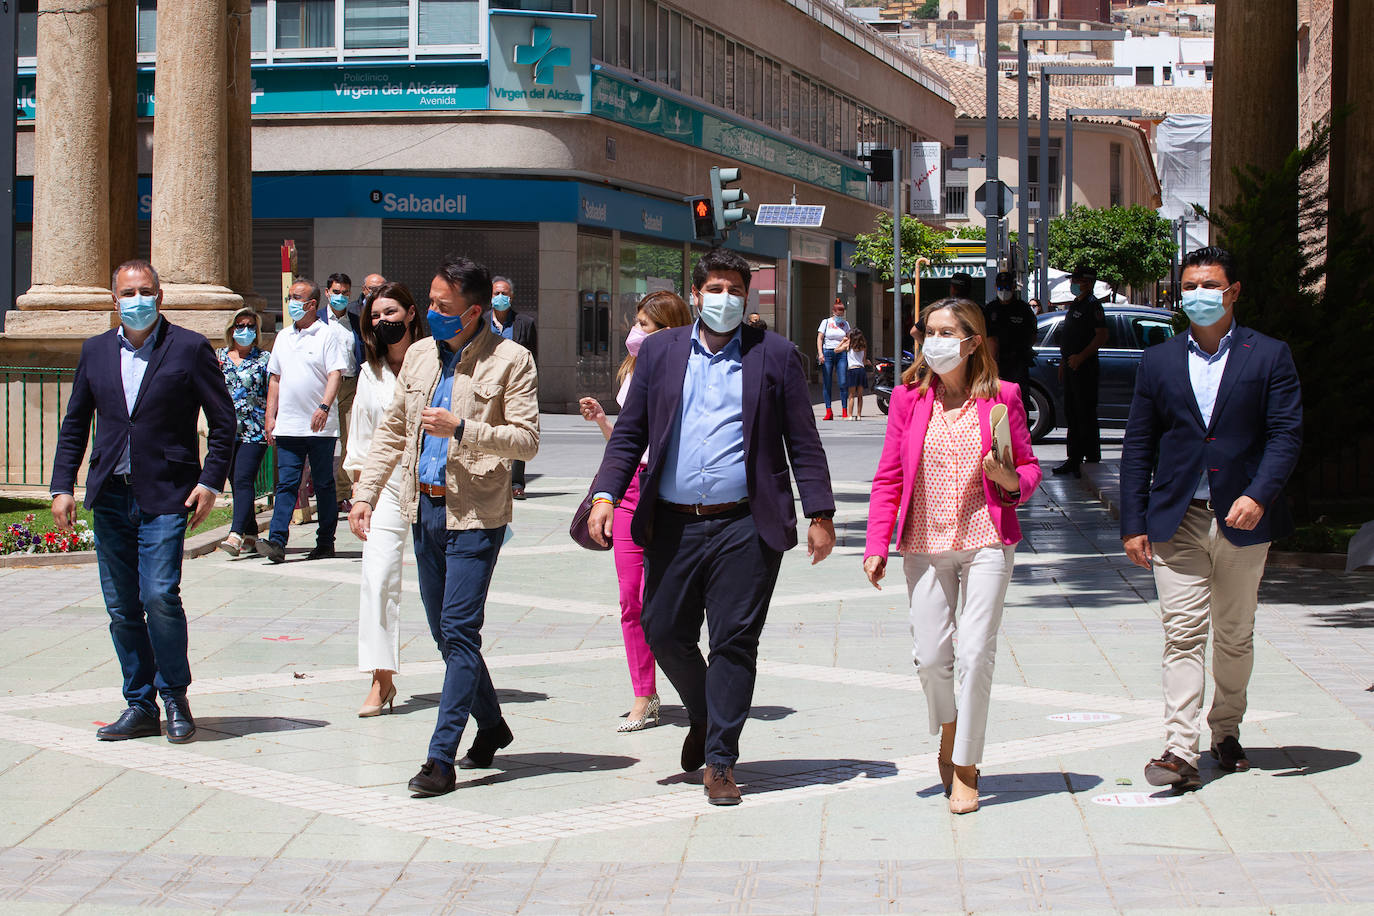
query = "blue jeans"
{"x": 455, "y": 570}
{"x": 139, "y": 558}
{"x": 243, "y": 476}
{"x": 835, "y": 361}
{"x": 292, "y": 453}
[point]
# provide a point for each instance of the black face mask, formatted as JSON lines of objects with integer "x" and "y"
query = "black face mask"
{"x": 389, "y": 332}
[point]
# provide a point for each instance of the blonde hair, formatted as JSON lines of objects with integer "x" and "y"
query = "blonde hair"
{"x": 664, "y": 308}
{"x": 257, "y": 326}
{"x": 983, "y": 381}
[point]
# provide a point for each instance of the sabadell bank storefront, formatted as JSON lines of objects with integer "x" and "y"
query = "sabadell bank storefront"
{"x": 520, "y": 150}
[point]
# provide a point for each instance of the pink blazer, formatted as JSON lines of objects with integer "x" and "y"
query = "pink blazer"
{"x": 907, "y": 418}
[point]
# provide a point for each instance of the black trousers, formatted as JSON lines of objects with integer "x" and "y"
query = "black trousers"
{"x": 717, "y": 569}
{"x": 517, "y": 473}
{"x": 1080, "y": 406}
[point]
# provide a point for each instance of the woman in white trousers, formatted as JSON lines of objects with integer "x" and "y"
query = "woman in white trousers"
{"x": 952, "y": 504}
{"x": 390, "y": 324}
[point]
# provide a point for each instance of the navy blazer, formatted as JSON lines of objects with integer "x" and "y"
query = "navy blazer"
{"x": 1249, "y": 449}
{"x": 778, "y": 423}
{"x": 183, "y": 377}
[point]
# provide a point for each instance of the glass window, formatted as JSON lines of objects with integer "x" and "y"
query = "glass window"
{"x": 708, "y": 67}
{"x": 651, "y": 40}
{"x": 1144, "y": 76}
{"x": 376, "y": 24}
{"x": 645, "y": 267}
{"x": 258, "y": 26}
{"x": 675, "y": 51}
{"x": 147, "y": 26}
{"x": 26, "y": 27}
{"x": 622, "y": 54}
{"x": 698, "y": 70}
{"x": 637, "y": 36}
{"x": 1150, "y": 331}
{"x": 304, "y": 24}
{"x": 449, "y": 22}
{"x": 662, "y": 68}
{"x": 598, "y": 9}
{"x": 719, "y": 94}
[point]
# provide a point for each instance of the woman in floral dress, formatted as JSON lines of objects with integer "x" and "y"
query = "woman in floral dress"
{"x": 244, "y": 365}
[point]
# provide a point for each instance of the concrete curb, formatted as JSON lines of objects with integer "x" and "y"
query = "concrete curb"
{"x": 203, "y": 544}
{"x": 1103, "y": 480}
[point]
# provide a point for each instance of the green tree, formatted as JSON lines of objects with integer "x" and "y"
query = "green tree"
{"x": 918, "y": 241}
{"x": 1129, "y": 246}
{"x": 929, "y": 10}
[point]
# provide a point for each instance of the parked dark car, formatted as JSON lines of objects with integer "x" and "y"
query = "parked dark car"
{"x": 882, "y": 378}
{"x": 1130, "y": 329}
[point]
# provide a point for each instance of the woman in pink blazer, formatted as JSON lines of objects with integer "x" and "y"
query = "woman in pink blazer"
{"x": 951, "y": 503}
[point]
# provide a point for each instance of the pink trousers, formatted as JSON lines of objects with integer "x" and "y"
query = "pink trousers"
{"x": 629, "y": 570}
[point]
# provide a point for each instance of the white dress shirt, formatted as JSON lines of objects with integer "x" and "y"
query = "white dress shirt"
{"x": 1204, "y": 372}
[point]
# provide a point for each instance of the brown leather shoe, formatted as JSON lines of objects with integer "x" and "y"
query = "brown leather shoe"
{"x": 1169, "y": 769}
{"x": 720, "y": 785}
{"x": 1230, "y": 756}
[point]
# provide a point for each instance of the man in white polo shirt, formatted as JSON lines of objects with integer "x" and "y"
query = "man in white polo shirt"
{"x": 305, "y": 372}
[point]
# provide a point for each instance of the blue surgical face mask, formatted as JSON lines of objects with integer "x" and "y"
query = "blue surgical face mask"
{"x": 444, "y": 327}
{"x": 1204, "y": 307}
{"x": 500, "y": 302}
{"x": 721, "y": 312}
{"x": 1076, "y": 289}
{"x": 295, "y": 308}
{"x": 244, "y": 337}
{"x": 137, "y": 313}
{"x": 338, "y": 301}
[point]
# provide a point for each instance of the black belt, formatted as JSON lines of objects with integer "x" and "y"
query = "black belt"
{"x": 1201, "y": 504}
{"x": 126, "y": 479}
{"x": 700, "y": 509}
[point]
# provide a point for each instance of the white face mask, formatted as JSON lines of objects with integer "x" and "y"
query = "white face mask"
{"x": 942, "y": 354}
{"x": 1004, "y": 295}
{"x": 721, "y": 312}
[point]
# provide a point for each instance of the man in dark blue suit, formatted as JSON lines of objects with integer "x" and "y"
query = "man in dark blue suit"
{"x": 146, "y": 383}
{"x": 1214, "y": 432}
{"x": 720, "y": 407}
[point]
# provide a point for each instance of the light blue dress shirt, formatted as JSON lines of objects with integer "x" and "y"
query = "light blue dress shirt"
{"x": 433, "y": 467}
{"x": 1204, "y": 372}
{"x": 506, "y": 331}
{"x": 133, "y": 365}
{"x": 704, "y": 458}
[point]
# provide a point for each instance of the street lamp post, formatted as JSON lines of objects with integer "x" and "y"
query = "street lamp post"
{"x": 1069, "y": 115}
{"x": 992, "y": 250}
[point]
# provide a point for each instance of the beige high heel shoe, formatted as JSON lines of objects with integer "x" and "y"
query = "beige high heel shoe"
{"x": 650, "y": 712}
{"x": 389, "y": 701}
{"x": 966, "y": 805}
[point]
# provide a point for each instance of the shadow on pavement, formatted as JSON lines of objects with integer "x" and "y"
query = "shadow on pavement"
{"x": 222, "y": 728}
{"x": 1005, "y": 788}
{"x": 1299, "y": 760}
{"x": 418, "y": 701}
{"x": 675, "y": 714}
{"x": 524, "y": 766}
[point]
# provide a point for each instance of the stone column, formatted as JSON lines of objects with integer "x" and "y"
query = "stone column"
{"x": 70, "y": 295}
{"x": 123, "y": 73}
{"x": 1357, "y": 132}
{"x": 1254, "y": 91}
{"x": 190, "y": 166}
{"x": 239, "y": 105}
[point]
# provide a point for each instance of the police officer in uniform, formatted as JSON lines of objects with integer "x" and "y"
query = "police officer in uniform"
{"x": 1081, "y": 333}
{"x": 1011, "y": 333}
{"x": 961, "y": 285}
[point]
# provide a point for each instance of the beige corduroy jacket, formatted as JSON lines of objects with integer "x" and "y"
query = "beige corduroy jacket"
{"x": 496, "y": 394}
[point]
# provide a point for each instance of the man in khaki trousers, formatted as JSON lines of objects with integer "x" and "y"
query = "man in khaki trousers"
{"x": 1214, "y": 432}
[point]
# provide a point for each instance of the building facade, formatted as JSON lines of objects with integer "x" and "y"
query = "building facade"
{"x": 557, "y": 145}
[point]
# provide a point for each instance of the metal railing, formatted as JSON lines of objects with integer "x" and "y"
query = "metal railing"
{"x": 34, "y": 402}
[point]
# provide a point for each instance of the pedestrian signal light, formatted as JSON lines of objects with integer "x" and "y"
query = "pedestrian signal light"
{"x": 703, "y": 218}
{"x": 723, "y": 198}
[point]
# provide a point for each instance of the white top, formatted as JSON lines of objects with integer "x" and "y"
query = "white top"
{"x": 369, "y": 406}
{"x": 302, "y": 361}
{"x": 835, "y": 331}
{"x": 340, "y": 328}
{"x": 856, "y": 358}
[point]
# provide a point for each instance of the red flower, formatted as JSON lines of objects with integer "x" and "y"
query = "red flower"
{"x": 50, "y": 537}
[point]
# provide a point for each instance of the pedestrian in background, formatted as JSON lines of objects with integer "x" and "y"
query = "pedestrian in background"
{"x": 390, "y": 324}
{"x": 1082, "y": 332}
{"x": 1214, "y": 431}
{"x": 470, "y": 405}
{"x": 518, "y": 327}
{"x": 755, "y": 320}
{"x": 1011, "y": 333}
{"x": 244, "y": 365}
{"x": 144, "y": 384}
{"x": 722, "y": 409}
{"x": 656, "y": 311}
{"x": 832, "y": 337}
{"x": 951, "y": 502}
{"x": 856, "y": 354}
{"x": 340, "y": 323}
{"x": 306, "y": 369}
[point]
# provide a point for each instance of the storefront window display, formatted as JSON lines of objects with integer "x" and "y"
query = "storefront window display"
{"x": 597, "y": 353}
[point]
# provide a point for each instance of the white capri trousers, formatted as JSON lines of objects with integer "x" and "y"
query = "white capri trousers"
{"x": 379, "y": 593}
{"x": 944, "y": 632}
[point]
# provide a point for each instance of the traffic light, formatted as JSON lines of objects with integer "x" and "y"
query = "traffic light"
{"x": 880, "y": 162}
{"x": 723, "y": 199}
{"x": 703, "y": 218}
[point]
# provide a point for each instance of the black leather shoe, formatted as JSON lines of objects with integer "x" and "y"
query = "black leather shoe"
{"x": 694, "y": 747}
{"x": 1068, "y": 467}
{"x": 134, "y": 722}
{"x": 181, "y": 727}
{"x": 1230, "y": 756}
{"x": 435, "y": 778}
{"x": 1168, "y": 769}
{"x": 321, "y": 552}
{"x": 485, "y": 746}
{"x": 271, "y": 550}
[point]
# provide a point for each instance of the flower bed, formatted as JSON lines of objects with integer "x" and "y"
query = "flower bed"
{"x": 22, "y": 537}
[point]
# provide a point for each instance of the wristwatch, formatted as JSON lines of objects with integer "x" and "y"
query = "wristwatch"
{"x": 324, "y": 407}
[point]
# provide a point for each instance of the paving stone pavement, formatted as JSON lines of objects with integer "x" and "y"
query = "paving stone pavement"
{"x": 287, "y": 802}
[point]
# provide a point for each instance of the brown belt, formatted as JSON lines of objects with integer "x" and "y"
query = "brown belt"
{"x": 698, "y": 509}
{"x": 430, "y": 489}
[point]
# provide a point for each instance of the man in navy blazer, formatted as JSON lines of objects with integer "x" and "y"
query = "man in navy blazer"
{"x": 146, "y": 384}
{"x": 721, "y": 407}
{"x": 1214, "y": 432}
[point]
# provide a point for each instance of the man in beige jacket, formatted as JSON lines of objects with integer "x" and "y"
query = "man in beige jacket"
{"x": 465, "y": 408}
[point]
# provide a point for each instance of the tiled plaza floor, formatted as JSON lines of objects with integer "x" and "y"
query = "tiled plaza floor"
{"x": 289, "y": 802}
